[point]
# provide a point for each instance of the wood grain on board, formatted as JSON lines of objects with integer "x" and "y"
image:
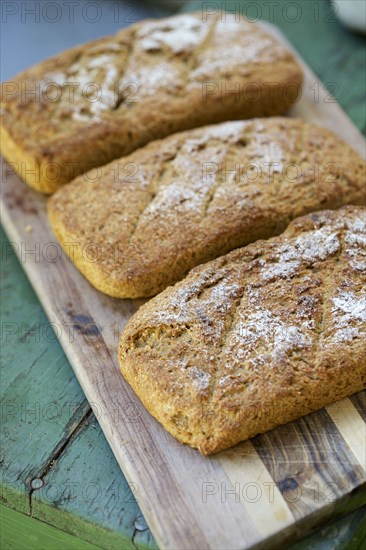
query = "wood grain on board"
{"x": 272, "y": 489}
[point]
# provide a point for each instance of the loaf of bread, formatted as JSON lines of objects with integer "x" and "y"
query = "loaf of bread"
{"x": 100, "y": 101}
{"x": 142, "y": 222}
{"x": 256, "y": 338}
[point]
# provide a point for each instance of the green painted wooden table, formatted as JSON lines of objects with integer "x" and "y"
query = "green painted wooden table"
{"x": 61, "y": 486}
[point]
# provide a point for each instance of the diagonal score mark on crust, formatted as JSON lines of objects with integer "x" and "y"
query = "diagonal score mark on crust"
{"x": 126, "y": 48}
{"x": 224, "y": 337}
{"x": 330, "y": 278}
{"x": 293, "y": 156}
{"x": 55, "y": 104}
{"x": 155, "y": 189}
{"x": 130, "y": 50}
{"x": 185, "y": 63}
{"x": 87, "y": 62}
{"x": 219, "y": 182}
{"x": 191, "y": 63}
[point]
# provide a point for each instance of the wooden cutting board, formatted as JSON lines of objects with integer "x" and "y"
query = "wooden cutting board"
{"x": 262, "y": 493}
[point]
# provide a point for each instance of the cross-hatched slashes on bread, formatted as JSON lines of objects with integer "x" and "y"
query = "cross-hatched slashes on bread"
{"x": 141, "y": 223}
{"x": 256, "y": 338}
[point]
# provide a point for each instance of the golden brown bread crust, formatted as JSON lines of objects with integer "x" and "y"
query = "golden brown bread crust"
{"x": 256, "y": 338}
{"x": 144, "y": 221}
{"x": 149, "y": 83}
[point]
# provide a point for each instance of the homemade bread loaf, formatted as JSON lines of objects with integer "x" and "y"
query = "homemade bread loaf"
{"x": 102, "y": 100}
{"x": 142, "y": 222}
{"x": 256, "y": 338}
